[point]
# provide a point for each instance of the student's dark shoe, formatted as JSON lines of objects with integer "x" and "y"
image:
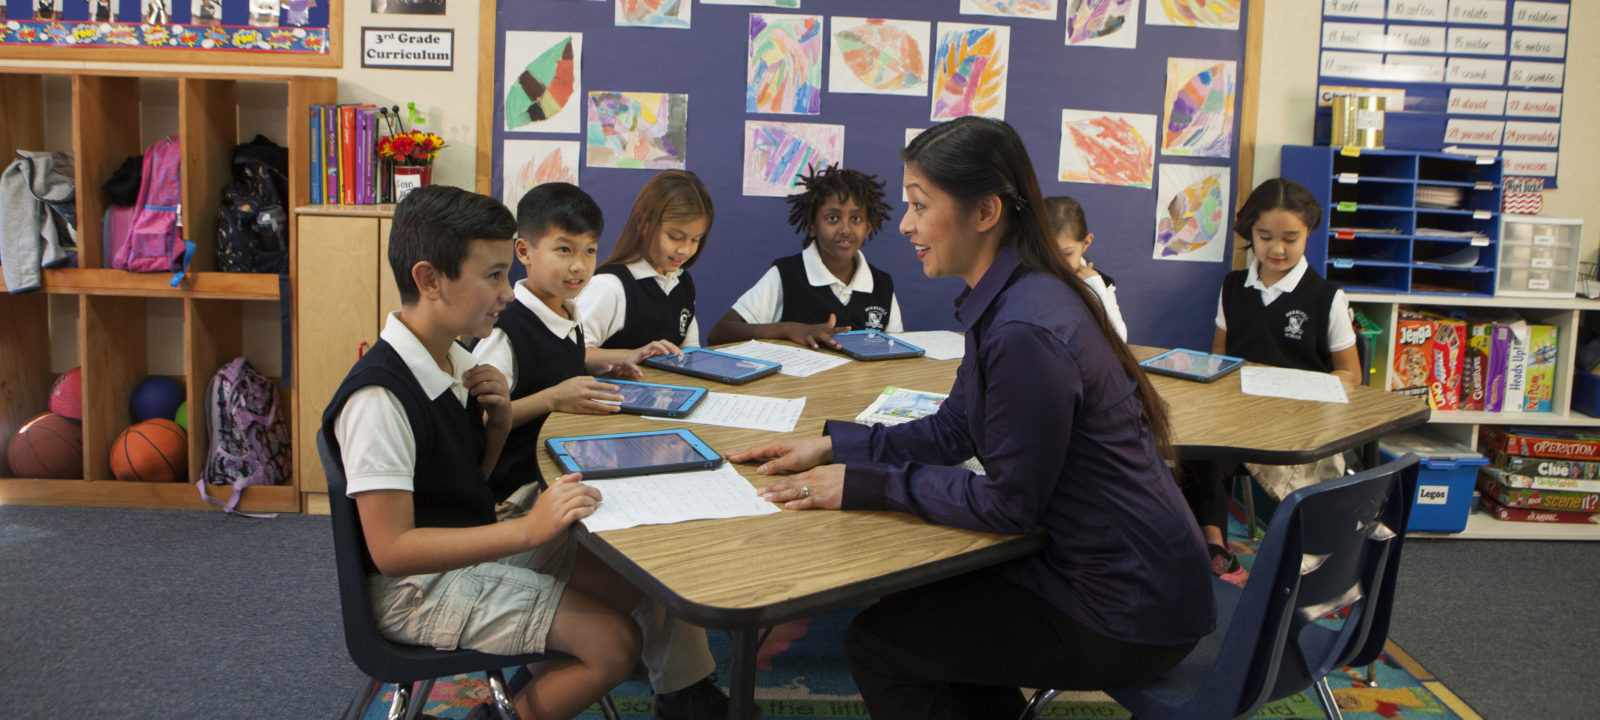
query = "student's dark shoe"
{"x": 1224, "y": 565}
{"x": 484, "y": 711}
{"x": 700, "y": 701}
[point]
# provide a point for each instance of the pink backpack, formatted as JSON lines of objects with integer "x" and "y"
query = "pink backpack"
{"x": 155, "y": 243}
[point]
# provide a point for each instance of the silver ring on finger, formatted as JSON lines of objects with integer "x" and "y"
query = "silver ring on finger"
{"x": 805, "y": 491}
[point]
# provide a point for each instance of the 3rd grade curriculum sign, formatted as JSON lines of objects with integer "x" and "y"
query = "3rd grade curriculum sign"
{"x": 407, "y": 48}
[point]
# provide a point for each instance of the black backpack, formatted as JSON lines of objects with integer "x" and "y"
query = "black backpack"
{"x": 252, "y": 221}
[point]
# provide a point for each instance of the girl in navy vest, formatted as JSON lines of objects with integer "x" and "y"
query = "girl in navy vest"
{"x": 1278, "y": 311}
{"x": 643, "y": 292}
{"x": 1074, "y": 239}
{"x": 828, "y": 287}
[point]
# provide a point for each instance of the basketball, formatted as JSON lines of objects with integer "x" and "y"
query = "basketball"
{"x": 157, "y": 397}
{"x": 66, "y": 396}
{"x": 48, "y": 446}
{"x": 156, "y": 450}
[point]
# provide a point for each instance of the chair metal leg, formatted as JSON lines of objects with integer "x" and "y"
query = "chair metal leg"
{"x": 1372, "y": 674}
{"x": 1248, "y": 491}
{"x": 401, "y": 702}
{"x": 358, "y": 704}
{"x": 419, "y": 699}
{"x": 607, "y": 708}
{"x": 497, "y": 693}
{"x": 1035, "y": 708}
{"x": 1325, "y": 698}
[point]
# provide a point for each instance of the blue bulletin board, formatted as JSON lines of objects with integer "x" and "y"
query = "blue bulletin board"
{"x": 702, "y": 70}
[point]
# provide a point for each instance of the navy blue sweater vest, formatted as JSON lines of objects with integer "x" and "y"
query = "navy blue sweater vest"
{"x": 543, "y": 360}
{"x": 807, "y": 303}
{"x": 1291, "y": 332}
{"x": 652, "y": 314}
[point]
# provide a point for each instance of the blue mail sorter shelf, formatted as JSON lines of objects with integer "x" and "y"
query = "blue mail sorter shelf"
{"x": 1398, "y": 221}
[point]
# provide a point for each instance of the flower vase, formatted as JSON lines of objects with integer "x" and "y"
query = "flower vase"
{"x": 410, "y": 177}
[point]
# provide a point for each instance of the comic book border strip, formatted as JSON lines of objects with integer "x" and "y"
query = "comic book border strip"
{"x": 174, "y": 37}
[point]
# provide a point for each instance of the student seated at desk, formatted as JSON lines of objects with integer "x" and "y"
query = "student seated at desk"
{"x": 643, "y": 292}
{"x": 417, "y": 425}
{"x": 1074, "y": 239}
{"x": 828, "y": 287}
{"x": 1072, "y": 437}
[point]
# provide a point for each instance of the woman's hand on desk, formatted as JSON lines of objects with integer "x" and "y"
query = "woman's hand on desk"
{"x": 787, "y": 455}
{"x": 821, "y": 488}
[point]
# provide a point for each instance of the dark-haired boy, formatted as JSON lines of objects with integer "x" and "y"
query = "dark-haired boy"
{"x": 417, "y": 425}
{"x": 828, "y": 288}
{"x": 538, "y": 345}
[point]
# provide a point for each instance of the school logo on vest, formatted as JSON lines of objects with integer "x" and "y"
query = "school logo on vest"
{"x": 875, "y": 316}
{"x": 684, "y": 317}
{"x": 1295, "y": 329}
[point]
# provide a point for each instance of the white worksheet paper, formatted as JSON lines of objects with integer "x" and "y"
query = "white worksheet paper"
{"x": 1291, "y": 384}
{"x": 743, "y": 411}
{"x": 938, "y": 344}
{"x": 674, "y": 497}
{"x": 797, "y": 362}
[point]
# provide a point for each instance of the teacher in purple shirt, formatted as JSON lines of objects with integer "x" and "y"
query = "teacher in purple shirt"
{"x": 1074, "y": 443}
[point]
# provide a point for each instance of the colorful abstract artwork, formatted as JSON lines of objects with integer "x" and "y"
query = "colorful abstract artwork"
{"x": 872, "y": 55}
{"x": 653, "y": 13}
{"x": 543, "y": 88}
{"x": 762, "y": 3}
{"x": 1215, "y": 14}
{"x": 531, "y": 163}
{"x": 969, "y": 71}
{"x": 1032, "y": 9}
{"x": 777, "y": 153}
{"x": 1199, "y": 108}
{"x": 784, "y": 73}
{"x": 1107, "y": 148}
{"x": 1191, "y": 213}
{"x": 638, "y": 130}
{"x": 1103, "y": 23}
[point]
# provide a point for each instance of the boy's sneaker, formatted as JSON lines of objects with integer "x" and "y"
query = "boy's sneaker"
{"x": 700, "y": 701}
{"x": 1224, "y": 565}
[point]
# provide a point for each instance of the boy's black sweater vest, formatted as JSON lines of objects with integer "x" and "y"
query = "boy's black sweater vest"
{"x": 1291, "y": 332}
{"x": 448, "y": 487}
{"x": 807, "y": 303}
{"x": 543, "y": 360}
{"x": 652, "y": 314}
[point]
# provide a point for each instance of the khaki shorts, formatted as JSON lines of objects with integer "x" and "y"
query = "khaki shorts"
{"x": 505, "y": 607}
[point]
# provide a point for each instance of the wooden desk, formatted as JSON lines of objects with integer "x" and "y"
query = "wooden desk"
{"x": 744, "y": 574}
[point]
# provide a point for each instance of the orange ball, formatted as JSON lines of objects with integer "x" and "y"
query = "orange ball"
{"x": 48, "y": 446}
{"x": 155, "y": 450}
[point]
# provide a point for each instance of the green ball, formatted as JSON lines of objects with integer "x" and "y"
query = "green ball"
{"x": 182, "y": 415}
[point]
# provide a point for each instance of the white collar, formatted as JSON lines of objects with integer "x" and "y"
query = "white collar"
{"x": 429, "y": 375}
{"x": 642, "y": 269}
{"x": 1286, "y": 284}
{"x": 819, "y": 275}
{"x": 560, "y": 326}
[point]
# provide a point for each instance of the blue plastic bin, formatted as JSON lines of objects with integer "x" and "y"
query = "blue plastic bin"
{"x": 1445, "y": 481}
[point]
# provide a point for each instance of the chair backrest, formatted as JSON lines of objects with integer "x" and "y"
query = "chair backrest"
{"x": 1332, "y": 548}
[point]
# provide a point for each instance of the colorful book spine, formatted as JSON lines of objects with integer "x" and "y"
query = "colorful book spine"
{"x": 369, "y": 157}
{"x": 1475, "y": 368}
{"x": 1494, "y": 387}
{"x": 1501, "y": 512}
{"x": 1545, "y": 444}
{"x": 1516, "y": 372}
{"x": 1540, "y": 382}
{"x": 363, "y": 159}
{"x": 347, "y": 154}
{"x": 316, "y": 154}
{"x": 1496, "y": 483}
{"x": 330, "y": 153}
{"x": 1547, "y": 469}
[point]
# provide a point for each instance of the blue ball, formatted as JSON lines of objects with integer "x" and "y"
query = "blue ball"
{"x": 157, "y": 397}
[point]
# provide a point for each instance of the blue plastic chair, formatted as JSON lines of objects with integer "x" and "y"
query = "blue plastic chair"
{"x": 1332, "y": 546}
{"x": 387, "y": 662}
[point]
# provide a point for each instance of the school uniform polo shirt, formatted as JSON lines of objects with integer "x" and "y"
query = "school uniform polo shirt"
{"x": 1284, "y": 320}
{"x": 764, "y": 303}
{"x": 604, "y": 304}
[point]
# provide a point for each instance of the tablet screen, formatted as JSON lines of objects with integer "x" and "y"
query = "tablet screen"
{"x": 605, "y": 453}
{"x": 710, "y": 362}
{"x": 1191, "y": 362}
{"x": 872, "y": 344}
{"x": 653, "y": 396}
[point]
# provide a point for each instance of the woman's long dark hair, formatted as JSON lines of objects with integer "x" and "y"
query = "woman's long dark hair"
{"x": 971, "y": 158}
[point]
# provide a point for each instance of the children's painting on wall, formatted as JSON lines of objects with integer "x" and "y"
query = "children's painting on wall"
{"x": 1103, "y": 23}
{"x": 531, "y": 163}
{"x": 871, "y": 55}
{"x": 638, "y": 130}
{"x": 543, "y": 81}
{"x": 654, "y": 13}
{"x": 784, "y": 70}
{"x": 777, "y": 153}
{"x": 1217, "y": 14}
{"x": 1031, "y": 9}
{"x": 969, "y": 71}
{"x": 1191, "y": 213}
{"x": 409, "y": 7}
{"x": 762, "y": 3}
{"x": 1199, "y": 108}
{"x": 1107, "y": 148}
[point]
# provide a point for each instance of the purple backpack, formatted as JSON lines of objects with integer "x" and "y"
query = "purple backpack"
{"x": 249, "y": 438}
{"x": 155, "y": 242}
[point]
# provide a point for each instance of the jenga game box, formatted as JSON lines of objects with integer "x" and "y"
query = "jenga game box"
{"x": 1475, "y": 371}
{"x": 1446, "y": 362}
{"x": 1541, "y": 377}
{"x": 1412, "y": 350}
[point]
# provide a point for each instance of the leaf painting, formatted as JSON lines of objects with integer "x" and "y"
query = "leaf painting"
{"x": 1215, "y": 14}
{"x": 638, "y": 130}
{"x": 777, "y": 153}
{"x": 763, "y": 3}
{"x": 969, "y": 76}
{"x": 1032, "y": 9}
{"x": 1191, "y": 213}
{"x": 1107, "y": 148}
{"x": 653, "y": 13}
{"x": 784, "y": 73}
{"x": 1103, "y": 23}
{"x": 542, "y": 81}
{"x": 873, "y": 55}
{"x": 531, "y": 163}
{"x": 1199, "y": 108}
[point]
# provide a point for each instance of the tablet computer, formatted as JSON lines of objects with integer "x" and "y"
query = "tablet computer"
{"x": 1192, "y": 365}
{"x": 713, "y": 365}
{"x": 641, "y": 453}
{"x": 874, "y": 345}
{"x": 642, "y": 398}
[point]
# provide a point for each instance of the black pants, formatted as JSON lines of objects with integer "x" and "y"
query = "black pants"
{"x": 962, "y": 648}
{"x": 1205, "y": 488}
